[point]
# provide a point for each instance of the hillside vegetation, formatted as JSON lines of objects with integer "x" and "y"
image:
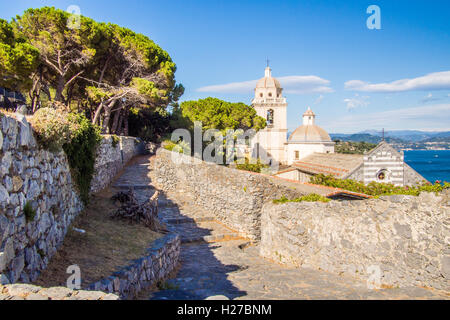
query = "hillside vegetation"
{"x": 347, "y": 147}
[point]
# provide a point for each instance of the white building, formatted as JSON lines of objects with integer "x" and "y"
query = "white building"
{"x": 270, "y": 104}
{"x": 308, "y": 139}
{"x": 310, "y": 151}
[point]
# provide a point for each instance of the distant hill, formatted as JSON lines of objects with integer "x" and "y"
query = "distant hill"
{"x": 438, "y": 139}
{"x": 409, "y": 135}
{"x": 363, "y": 137}
{"x": 398, "y": 136}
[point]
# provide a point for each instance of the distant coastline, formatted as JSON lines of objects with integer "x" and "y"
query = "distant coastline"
{"x": 402, "y": 140}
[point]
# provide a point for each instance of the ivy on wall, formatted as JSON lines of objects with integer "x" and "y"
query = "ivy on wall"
{"x": 57, "y": 130}
{"x": 81, "y": 153}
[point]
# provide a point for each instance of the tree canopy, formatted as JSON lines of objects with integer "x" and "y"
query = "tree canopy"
{"x": 18, "y": 59}
{"x": 222, "y": 115}
{"x": 100, "y": 69}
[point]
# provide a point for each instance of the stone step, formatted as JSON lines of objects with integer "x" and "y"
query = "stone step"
{"x": 134, "y": 186}
{"x": 212, "y": 238}
{"x": 187, "y": 220}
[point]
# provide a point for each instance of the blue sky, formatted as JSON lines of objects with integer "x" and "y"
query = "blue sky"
{"x": 322, "y": 51}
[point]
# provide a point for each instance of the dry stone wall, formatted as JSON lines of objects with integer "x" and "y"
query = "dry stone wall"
{"x": 30, "y": 292}
{"x": 404, "y": 238}
{"x": 29, "y": 174}
{"x": 233, "y": 196}
{"x": 113, "y": 154}
{"x": 160, "y": 261}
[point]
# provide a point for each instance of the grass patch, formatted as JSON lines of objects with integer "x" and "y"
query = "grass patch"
{"x": 252, "y": 165}
{"x": 308, "y": 198}
{"x": 106, "y": 247}
{"x": 164, "y": 285}
{"x": 29, "y": 212}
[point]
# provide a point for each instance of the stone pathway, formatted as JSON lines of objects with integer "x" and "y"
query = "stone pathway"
{"x": 216, "y": 261}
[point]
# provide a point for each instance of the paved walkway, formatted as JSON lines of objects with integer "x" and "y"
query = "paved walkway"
{"x": 215, "y": 261}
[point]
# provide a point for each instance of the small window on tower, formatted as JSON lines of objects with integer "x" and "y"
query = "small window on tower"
{"x": 261, "y": 95}
{"x": 269, "y": 118}
{"x": 270, "y": 94}
{"x": 297, "y": 155}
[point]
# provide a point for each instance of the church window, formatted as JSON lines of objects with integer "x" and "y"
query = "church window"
{"x": 382, "y": 175}
{"x": 269, "y": 118}
{"x": 261, "y": 95}
{"x": 270, "y": 94}
{"x": 297, "y": 155}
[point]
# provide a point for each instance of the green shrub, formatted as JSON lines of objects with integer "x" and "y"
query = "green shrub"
{"x": 81, "y": 152}
{"x": 58, "y": 130}
{"x": 255, "y": 166}
{"x": 41, "y": 253}
{"x": 115, "y": 140}
{"x": 29, "y": 212}
{"x": 180, "y": 147}
{"x": 308, "y": 198}
{"x": 52, "y": 128}
{"x": 377, "y": 189}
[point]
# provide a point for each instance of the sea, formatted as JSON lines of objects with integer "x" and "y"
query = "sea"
{"x": 431, "y": 164}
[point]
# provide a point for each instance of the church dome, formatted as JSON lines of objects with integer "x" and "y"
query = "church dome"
{"x": 309, "y": 131}
{"x": 268, "y": 81}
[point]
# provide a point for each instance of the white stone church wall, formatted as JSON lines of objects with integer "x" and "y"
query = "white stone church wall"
{"x": 384, "y": 159}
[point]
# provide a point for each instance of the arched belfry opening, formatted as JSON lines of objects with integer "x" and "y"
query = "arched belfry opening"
{"x": 270, "y": 118}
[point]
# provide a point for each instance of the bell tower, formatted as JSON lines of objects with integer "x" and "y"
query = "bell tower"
{"x": 270, "y": 104}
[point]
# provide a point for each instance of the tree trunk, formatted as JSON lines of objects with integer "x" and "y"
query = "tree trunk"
{"x": 97, "y": 113}
{"x": 108, "y": 110}
{"x": 115, "y": 121}
{"x": 125, "y": 129}
{"x": 120, "y": 125}
{"x": 59, "y": 90}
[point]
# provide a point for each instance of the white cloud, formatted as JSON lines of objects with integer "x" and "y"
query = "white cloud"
{"x": 357, "y": 102}
{"x": 319, "y": 99}
{"x": 291, "y": 84}
{"x": 430, "y": 98}
{"x": 431, "y": 81}
{"x": 235, "y": 87}
{"x": 436, "y": 117}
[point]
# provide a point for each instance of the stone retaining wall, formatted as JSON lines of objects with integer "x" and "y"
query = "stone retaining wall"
{"x": 233, "y": 196}
{"x": 112, "y": 155}
{"x": 41, "y": 178}
{"x": 29, "y": 174}
{"x": 160, "y": 261}
{"x": 404, "y": 238}
{"x": 30, "y": 292}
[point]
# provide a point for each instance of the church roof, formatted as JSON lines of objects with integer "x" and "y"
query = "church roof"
{"x": 268, "y": 81}
{"x": 335, "y": 164}
{"x": 309, "y": 133}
